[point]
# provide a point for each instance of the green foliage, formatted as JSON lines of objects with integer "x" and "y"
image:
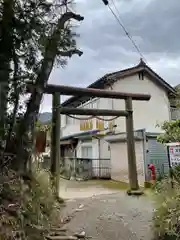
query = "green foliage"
{"x": 39, "y": 35}
{"x": 27, "y": 206}
{"x": 171, "y": 129}
{"x": 178, "y": 96}
{"x": 33, "y": 23}
{"x": 34, "y": 35}
{"x": 167, "y": 207}
{"x": 159, "y": 179}
{"x": 171, "y": 132}
{"x": 166, "y": 221}
{"x": 45, "y": 127}
{"x": 176, "y": 171}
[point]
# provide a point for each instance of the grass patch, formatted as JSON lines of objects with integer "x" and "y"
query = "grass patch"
{"x": 119, "y": 185}
{"x": 112, "y": 184}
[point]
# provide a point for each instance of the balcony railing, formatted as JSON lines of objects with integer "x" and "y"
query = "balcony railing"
{"x": 175, "y": 113}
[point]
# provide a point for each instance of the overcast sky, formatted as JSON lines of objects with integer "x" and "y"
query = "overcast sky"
{"x": 153, "y": 24}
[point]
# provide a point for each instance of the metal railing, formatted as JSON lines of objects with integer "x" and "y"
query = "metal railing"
{"x": 85, "y": 168}
{"x": 81, "y": 168}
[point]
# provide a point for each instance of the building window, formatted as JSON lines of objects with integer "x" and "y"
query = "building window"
{"x": 86, "y": 152}
{"x": 141, "y": 76}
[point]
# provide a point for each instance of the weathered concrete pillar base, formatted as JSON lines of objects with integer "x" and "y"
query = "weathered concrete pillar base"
{"x": 135, "y": 192}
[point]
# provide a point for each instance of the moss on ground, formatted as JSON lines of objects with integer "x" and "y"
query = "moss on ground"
{"x": 111, "y": 184}
{"x": 117, "y": 185}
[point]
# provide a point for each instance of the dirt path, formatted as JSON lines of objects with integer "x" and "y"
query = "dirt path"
{"x": 82, "y": 189}
{"x": 113, "y": 216}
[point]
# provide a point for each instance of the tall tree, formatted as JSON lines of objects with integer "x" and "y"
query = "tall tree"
{"x": 171, "y": 132}
{"x": 6, "y": 46}
{"x": 40, "y": 34}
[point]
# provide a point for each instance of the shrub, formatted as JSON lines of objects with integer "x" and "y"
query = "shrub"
{"x": 159, "y": 179}
{"x": 166, "y": 220}
{"x": 28, "y": 206}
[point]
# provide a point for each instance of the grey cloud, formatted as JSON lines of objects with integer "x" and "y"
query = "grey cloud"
{"x": 159, "y": 27}
{"x": 153, "y": 24}
{"x": 156, "y": 23}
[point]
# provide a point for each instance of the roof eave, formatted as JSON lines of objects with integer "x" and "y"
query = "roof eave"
{"x": 167, "y": 86}
{"x": 100, "y": 83}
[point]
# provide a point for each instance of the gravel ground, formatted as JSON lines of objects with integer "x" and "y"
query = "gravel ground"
{"x": 111, "y": 217}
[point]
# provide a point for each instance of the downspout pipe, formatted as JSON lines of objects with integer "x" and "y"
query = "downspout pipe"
{"x": 99, "y": 153}
{"x": 144, "y": 153}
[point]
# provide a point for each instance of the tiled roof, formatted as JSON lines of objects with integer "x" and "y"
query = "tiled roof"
{"x": 113, "y": 77}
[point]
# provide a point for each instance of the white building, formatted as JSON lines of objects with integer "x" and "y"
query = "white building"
{"x": 138, "y": 79}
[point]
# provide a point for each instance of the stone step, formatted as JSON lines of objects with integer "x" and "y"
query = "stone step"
{"x": 61, "y": 238}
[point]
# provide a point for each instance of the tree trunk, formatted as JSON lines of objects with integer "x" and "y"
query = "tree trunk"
{"x": 30, "y": 117}
{"x": 16, "y": 102}
{"x": 6, "y": 44}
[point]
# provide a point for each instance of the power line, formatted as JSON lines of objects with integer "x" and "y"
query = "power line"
{"x": 119, "y": 20}
{"x": 126, "y": 32}
{"x": 118, "y": 12}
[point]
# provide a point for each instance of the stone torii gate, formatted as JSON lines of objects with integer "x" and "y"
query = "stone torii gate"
{"x": 57, "y": 110}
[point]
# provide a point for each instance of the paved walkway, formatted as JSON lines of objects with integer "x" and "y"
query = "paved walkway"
{"x": 112, "y": 216}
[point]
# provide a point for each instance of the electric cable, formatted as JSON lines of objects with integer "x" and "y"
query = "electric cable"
{"x": 119, "y": 20}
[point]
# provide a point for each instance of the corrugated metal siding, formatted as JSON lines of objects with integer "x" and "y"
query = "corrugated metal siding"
{"x": 157, "y": 154}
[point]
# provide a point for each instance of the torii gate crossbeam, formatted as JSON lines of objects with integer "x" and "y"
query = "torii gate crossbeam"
{"x": 57, "y": 110}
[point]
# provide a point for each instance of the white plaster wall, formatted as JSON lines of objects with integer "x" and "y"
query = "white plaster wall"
{"x": 104, "y": 149}
{"x": 74, "y": 126}
{"x": 69, "y": 129}
{"x": 146, "y": 114}
{"x": 119, "y": 161}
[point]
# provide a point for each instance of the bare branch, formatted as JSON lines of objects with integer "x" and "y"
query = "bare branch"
{"x": 51, "y": 48}
{"x": 67, "y": 16}
{"x": 50, "y": 54}
{"x": 61, "y": 25}
{"x": 23, "y": 77}
{"x": 69, "y": 53}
